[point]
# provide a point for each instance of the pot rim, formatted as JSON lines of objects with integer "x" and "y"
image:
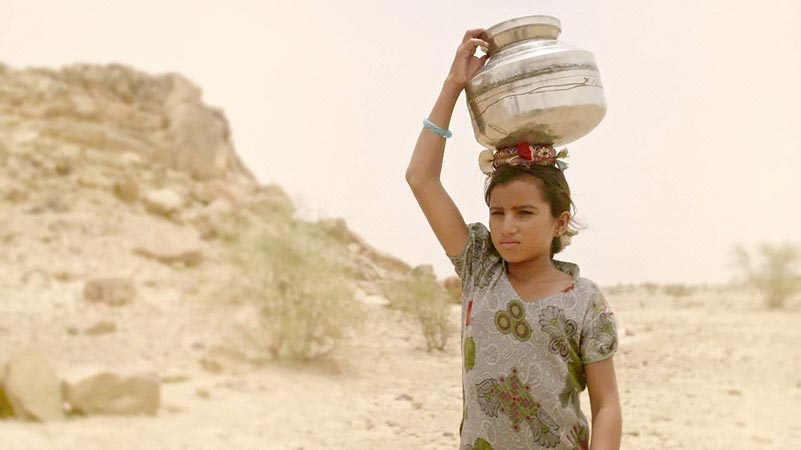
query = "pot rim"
{"x": 524, "y": 21}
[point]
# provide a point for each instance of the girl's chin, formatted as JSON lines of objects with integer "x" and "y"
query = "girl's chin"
{"x": 512, "y": 255}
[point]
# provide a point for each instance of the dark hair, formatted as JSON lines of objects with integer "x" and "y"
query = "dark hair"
{"x": 553, "y": 184}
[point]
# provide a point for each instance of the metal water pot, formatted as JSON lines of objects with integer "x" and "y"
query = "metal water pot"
{"x": 534, "y": 88}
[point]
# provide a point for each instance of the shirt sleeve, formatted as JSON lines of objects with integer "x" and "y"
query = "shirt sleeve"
{"x": 599, "y": 330}
{"x": 478, "y": 258}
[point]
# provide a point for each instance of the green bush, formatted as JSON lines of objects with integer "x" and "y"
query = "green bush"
{"x": 294, "y": 274}
{"x": 421, "y": 295}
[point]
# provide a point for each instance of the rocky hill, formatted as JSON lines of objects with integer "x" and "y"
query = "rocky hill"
{"x": 115, "y": 190}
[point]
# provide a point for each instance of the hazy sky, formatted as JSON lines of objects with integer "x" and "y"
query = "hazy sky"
{"x": 699, "y": 149}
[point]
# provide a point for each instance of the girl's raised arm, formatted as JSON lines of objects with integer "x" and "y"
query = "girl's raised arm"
{"x": 423, "y": 173}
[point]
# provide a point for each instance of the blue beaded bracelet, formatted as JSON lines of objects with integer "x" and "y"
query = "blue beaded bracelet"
{"x": 439, "y": 131}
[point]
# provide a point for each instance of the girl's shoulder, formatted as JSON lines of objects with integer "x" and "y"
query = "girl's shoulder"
{"x": 587, "y": 289}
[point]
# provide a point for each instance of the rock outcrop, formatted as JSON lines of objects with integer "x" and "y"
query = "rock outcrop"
{"x": 120, "y": 194}
{"x": 118, "y": 109}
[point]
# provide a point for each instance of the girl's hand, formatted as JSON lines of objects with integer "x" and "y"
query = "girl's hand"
{"x": 465, "y": 65}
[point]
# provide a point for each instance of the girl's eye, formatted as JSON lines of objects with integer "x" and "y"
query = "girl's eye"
{"x": 496, "y": 213}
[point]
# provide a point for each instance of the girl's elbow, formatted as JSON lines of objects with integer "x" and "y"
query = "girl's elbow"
{"x": 415, "y": 179}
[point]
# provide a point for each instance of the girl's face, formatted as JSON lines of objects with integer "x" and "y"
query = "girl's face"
{"x": 521, "y": 223}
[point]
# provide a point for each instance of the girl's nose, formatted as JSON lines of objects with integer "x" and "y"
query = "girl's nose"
{"x": 509, "y": 226}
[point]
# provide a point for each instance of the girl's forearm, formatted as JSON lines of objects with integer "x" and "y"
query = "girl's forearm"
{"x": 606, "y": 429}
{"x": 426, "y": 163}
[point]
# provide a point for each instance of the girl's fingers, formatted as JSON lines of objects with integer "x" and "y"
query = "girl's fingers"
{"x": 472, "y": 33}
{"x": 471, "y": 44}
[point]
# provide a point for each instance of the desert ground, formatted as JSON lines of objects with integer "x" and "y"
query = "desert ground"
{"x": 710, "y": 370}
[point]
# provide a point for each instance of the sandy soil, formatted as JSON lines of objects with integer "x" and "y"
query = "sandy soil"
{"x": 714, "y": 370}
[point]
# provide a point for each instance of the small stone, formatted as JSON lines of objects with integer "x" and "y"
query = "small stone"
{"x": 417, "y": 405}
{"x": 172, "y": 409}
{"x": 369, "y": 424}
{"x": 163, "y": 202}
{"x": 762, "y": 439}
{"x": 111, "y": 291}
{"x": 735, "y": 392}
{"x": 102, "y": 327}
{"x": 64, "y": 167}
{"x": 175, "y": 378}
{"x": 210, "y": 365}
{"x": 63, "y": 276}
{"x": 126, "y": 190}
{"x": 202, "y": 393}
{"x": 404, "y": 397}
{"x": 185, "y": 249}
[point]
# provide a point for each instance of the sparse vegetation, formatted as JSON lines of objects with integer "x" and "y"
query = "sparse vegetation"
{"x": 650, "y": 288}
{"x": 291, "y": 269}
{"x": 773, "y": 271}
{"x": 454, "y": 287}
{"x": 679, "y": 290}
{"x": 423, "y": 296}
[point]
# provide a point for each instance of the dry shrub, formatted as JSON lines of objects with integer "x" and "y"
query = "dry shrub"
{"x": 775, "y": 273}
{"x": 421, "y": 295}
{"x": 454, "y": 287}
{"x": 650, "y": 288}
{"x": 294, "y": 274}
{"x": 679, "y": 290}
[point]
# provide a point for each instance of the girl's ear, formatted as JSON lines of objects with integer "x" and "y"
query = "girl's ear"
{"x": 561, "y": 223}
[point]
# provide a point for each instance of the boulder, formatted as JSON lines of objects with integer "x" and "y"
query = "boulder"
{"x": 32, "y": 388}
{"x": 98, "y": 390}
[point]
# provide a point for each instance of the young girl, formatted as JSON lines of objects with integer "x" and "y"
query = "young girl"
{"x": 534, "y": 333}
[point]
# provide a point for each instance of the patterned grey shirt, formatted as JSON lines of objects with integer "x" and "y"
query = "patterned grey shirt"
{"x": 523, "y": 362}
